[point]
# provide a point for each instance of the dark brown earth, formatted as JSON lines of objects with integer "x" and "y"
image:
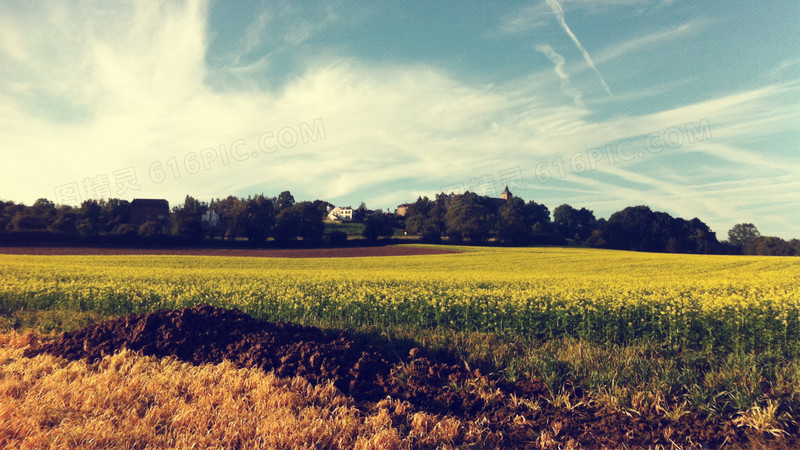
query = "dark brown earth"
{"x": 369, "y": 371}
{"x": 346, "y": 252}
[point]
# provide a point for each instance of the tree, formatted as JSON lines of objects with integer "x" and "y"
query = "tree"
{"x": 323, "y": 207}
{"x": 116, "y": 212}
{"x": 45, "y": 210}
{"x": 126, "y": 230}
{"x": 433, "y": 228}
{"x": 187, "y": 219}
{"x": 773, "y": 246}
{"x": 150, "y": 230}
{"x": 743, "y": 234}
{"x": 377, "y": 225}
{"x": 574, "y": 223}
{"x": 597, "y": 239}
{"x": 86, "y": 228}
{"x": 703, "y": 239}
{"x": 7, "y": 212}
{"x": 467, "y": 219}
{"x": 360, "y": 213}
{"x": 638, "y": 228}
{"x": 90, "y": 218}
{"x": 514, "y": 222}
{"x": 641, "y": 229}
{"x": 231, "y": 211}
{"x": 301, "y": 219}
{"x": 431, "y": 231}
{"x": 539, "y": 216}
{"x": 311, "y": 227}
{"x": 66, "y": 220}
{"x": 27, "y": 221}
{"x": 416, "y": 215}
{"x": 259, "y": 218}
{"x": 284, "y": 201}
{"x": 795, "y": 243}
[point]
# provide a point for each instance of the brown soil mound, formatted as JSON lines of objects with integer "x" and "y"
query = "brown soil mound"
{"x": 347, "y": 252}
{"x": 369, "y": 372}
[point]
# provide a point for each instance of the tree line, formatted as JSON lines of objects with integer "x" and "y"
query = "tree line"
{"x": 256, "y": 218}
{"x": 459, "y": 218}
{"x": 472, "y": 218}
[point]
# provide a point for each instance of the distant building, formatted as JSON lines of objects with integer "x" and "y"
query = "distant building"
{"x": 506, "y": 195}
{"x": 345, "y": 214}
{"x": 149, "y": 210}
{"x": 211, "y": 218}
{"x": 504, "y": 198}
{"x": 402, "y": 210}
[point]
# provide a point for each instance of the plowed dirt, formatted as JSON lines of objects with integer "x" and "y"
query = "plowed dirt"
{"x": 369, "y": 372}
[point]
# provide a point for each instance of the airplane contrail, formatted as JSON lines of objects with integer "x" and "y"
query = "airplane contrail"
{"x": 559, "y": 11}
{"x": 558, "y": 63}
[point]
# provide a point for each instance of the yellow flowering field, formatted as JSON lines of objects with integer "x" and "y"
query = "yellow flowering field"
{"x": 729, "y": 302}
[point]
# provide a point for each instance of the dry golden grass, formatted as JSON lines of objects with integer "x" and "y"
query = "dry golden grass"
{"x": 127, "y": 400}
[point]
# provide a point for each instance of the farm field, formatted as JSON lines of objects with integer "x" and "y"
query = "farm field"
{"x": 343, "y": 252}
{"x": 659, "y": 337}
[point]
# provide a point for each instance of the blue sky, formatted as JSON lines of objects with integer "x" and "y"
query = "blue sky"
{"x": 692, "y": 108}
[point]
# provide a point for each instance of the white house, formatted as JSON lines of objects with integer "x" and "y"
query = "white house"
{"x": 345, "y": 214}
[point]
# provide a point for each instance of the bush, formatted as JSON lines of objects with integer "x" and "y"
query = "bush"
{"x": 431, "y": 236}
{"x": 39, "y": 237}
{"x": 337, "y": 238}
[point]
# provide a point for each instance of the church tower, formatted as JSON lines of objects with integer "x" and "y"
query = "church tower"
{"x": 506, "y": 195}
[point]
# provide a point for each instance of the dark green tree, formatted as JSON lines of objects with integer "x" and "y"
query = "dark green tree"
{"x": 467, "y": 218}
{"x": 150, "y": 230}
{"x": 284, "y": 201}
{"x": 66, "y": 220}
{"x": 743, "y": 234}
{"x": 302, "y": 219}
{"x": 702, "y": 239}
{"x": 45, "y": 210}
{"x": 416, "y": 215}
{"x": 574, "y": 223}
{"x": 773, "y": 246}
{"x": 514, "y": 224}
{"x": 26, "y": 221}
{"x": 260, "y": 218}
{"x": 377, "y": 225}
{"x": 91, "y": 220}
{"x": 116, "y": 212}
{"x": 322, "y": 206}
{"x": 187, "y": 219}
{"x": 360, "y": 213}
{"x": 7, "y": 212}
{"x": 232, "y": 216}
{"x": 639, "y": 228}
{"x": 539, "y": 217}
